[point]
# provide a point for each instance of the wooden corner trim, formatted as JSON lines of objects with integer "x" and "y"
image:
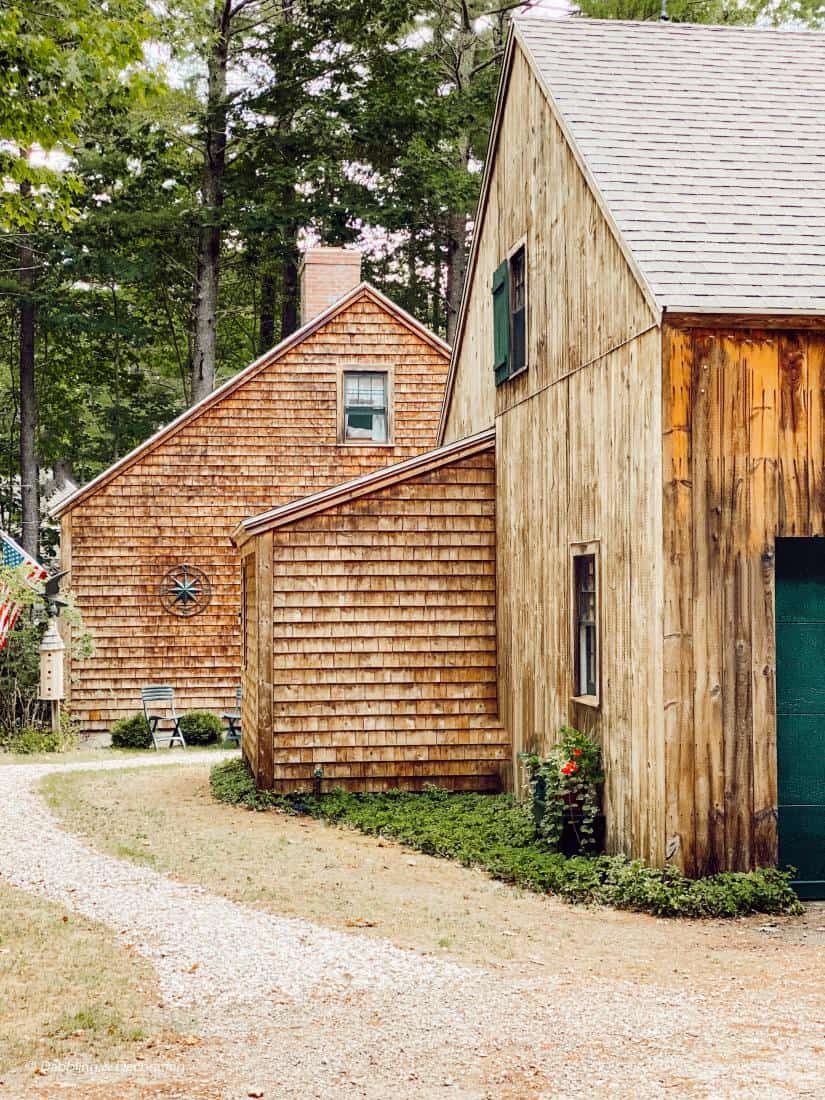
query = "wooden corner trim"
{"x": 264, "y": 561}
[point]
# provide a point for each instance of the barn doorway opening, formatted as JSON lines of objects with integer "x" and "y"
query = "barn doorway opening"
{"x": 800, "y": 710}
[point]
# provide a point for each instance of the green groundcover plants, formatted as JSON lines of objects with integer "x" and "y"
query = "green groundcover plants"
{"x": 498, "y": 834}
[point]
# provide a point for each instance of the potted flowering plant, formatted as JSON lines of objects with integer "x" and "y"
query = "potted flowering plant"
{"x": 565, "y": 788}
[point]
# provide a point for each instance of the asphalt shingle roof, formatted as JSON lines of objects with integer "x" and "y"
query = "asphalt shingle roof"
{"x": 708, "y": 146}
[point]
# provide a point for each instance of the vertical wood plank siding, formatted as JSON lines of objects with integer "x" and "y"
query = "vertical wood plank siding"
{"x": 583, "y": 465}
{"x": 582, "y": 297}
{"x": 578, "y": 456}
{"x": 383, "y": 637}
{"x": 272, "y": 439}
{"x": 743, "y": 431}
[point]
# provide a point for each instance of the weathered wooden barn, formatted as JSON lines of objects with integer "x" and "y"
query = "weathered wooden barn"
{"x": 369, "y": 642}
{"x": 147, "y": 543}
{"x": 644, "y": 326}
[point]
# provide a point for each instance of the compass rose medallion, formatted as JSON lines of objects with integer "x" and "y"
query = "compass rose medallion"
{"x": 185, "y": 590}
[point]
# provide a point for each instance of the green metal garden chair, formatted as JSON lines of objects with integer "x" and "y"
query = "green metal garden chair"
{"x": 164, "y": 726}
{"x": 233, "y": 718}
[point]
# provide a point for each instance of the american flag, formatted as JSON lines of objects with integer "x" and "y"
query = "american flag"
{"x": 14, "y": 555}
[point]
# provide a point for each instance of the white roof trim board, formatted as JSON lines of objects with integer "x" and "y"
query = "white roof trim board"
{"x": 707, "y": 146}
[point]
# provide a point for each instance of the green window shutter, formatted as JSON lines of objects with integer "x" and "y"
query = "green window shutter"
{"x": 501, "y": 324}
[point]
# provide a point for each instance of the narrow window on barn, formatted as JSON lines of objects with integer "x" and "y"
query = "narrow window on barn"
{"x": 365, "y": 407}
{"x": 586, "y": 623}
{"x": 510, "y": 316}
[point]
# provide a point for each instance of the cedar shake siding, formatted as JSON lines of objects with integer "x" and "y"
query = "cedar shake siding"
{"x": 376, "y": 636}
{"x": 268, "y": 436}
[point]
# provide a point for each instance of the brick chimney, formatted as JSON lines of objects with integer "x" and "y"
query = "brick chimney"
{"x": 325, "y": 275}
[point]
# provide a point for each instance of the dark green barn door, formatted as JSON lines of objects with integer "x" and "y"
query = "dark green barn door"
{"x": 800, "y": 709}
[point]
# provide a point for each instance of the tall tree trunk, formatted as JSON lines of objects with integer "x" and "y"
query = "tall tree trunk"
{"x": 289, "y": 282}
{"x": 437, "y": 263}
{"x": 266, "y": 337}
{"x": 204, "y": 358}
{"x": 412, "y": 272}
{"x": 63, "y": 473}
{"x": 457, "y": 251}
{"x": 290, "y": 319}
{"x": 29, "y": 487}
{"x": 465, "y": 48}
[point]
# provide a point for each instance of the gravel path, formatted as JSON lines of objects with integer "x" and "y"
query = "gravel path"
{"x": 306, "y": 1011}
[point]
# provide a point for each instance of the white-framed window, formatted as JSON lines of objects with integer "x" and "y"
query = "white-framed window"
{"x": 365, "y": 406}
{"x": 586, "y": 640}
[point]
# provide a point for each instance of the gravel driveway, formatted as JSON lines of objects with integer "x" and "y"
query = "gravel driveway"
{"x": 298, "y": 1010}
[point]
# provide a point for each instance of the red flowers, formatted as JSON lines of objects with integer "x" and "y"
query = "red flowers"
{"x": 573, "y": 764}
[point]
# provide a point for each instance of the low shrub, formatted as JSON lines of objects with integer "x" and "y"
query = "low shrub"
{"x": 201, "y": 727}
{"x": 33, "y": 739}
{"x": 131, "y": 733}
{"x": 498, "y": 834}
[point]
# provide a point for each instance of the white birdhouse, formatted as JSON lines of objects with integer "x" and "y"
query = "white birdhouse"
{"x": 52, "y": 649}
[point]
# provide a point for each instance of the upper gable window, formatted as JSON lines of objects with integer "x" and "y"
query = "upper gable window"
{"x": 510, "y": 315}
{"x": 365, "y": 407}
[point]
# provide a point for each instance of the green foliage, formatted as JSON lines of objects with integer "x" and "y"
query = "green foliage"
{"x": 33, "y": 739}
{"x": 498, "y": 834}
{"x": 14, "y": 583}
{"x": 57, "y": 57}
{"x": 21, "y": 709}
{"x": 131, "y": 733}
{"x": 235, "y": 785}
{"x": 565, "y": 785}
{"x": 201, "y": 727}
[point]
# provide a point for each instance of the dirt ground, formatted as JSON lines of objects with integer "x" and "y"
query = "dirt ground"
{"x": 759, "y": 978}
{"x": 343, "y": 879}
{"x": 68, "y": 988}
